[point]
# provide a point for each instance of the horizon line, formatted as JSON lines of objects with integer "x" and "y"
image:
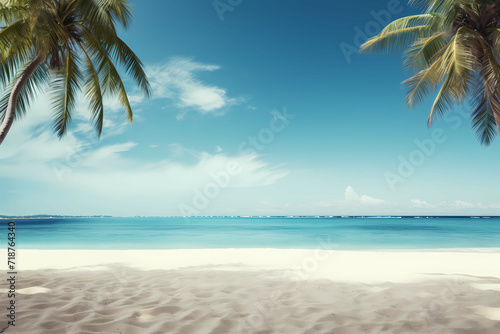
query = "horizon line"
{"x": 48, "y": 216}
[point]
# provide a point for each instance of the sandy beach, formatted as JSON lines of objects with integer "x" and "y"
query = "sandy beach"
{"x": 257, "y": 291}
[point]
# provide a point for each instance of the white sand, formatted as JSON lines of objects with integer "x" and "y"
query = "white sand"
{"x": 342, "y": 266}
{"x": 257, "y": 291}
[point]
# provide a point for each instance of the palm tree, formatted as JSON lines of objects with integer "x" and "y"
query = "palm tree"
{"x": 454, "y": 45}
{"x": 67, "y": 46}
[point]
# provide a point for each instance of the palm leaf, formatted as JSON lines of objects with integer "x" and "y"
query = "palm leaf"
{"x": 132, "y": 64}
{"x": 15, "y": 48}
{"x": 402, "y": 32}
{"x": 119, "y": 10}
{"x": 459, "y": 61}
{"x": 94, "y": 94}
{"x": 439, "y": 6}
{"x": 59, "y": 32}
{"x": 36, "y": 82}
{"x": 12, "y": 13}
{"x": 483, "y": 119}
{"x": 66, "y": 87}
{"x": 422, "y": 52}
{"x": 109, "y": 78}
{"x": 423, "y": 82}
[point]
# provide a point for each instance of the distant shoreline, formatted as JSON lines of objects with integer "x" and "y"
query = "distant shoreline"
{"x": 256, "y": 217}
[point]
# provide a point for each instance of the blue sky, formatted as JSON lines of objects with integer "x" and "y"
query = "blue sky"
{"x": 259, "y": 108}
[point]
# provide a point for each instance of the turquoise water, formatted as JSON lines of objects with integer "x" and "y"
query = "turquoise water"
{"x": 177, "y": 233}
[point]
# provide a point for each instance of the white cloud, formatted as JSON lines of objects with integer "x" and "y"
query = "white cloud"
{"x": 416, "y": 203}
{"x": 106, "y": 155}
{"x": 177, "y": 81}
{"x": 465, "y": 205}
{"x": 176, "y": 149}
{"x": 166, "y": 177}
{"x": 113, "y": 184}
{"x": 31, "y": 138}
{"x": 352, "y": 197}
{"x": 455, "y": 207}
{"x": 90, "y": 177}
{"x": 31, "y": 151}
{"x": 352, "y": 204}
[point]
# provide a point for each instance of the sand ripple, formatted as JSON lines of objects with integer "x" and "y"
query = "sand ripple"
{"x": 125, "y": 300}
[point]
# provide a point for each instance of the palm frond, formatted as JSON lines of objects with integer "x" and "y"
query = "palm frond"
{"x": 57, "y": 33}
{"x": 455, "y": 43}
{"x": 48, "y": 25}
{"x": 94, "y": 12}
{"x": 483, "y": 119}
{"x": 110, "y": 79}
{"x": 494, "y": 37}
{"x": 94, "y": 94}
{"x": 402, "y": 32}
{"x": 12, "y": 13}
{"x": 132, "y": 64}
{"x": 424, "y": 82}
{"x": 490, "y": 72}
{"x": 459, "y": 61}
{"x": 15, "y": 49}
{"x": 66, "y": 87}
{"x": 36, "y": 82}
{"x": 105, "y": 13}
{"x": 119, "y": 10}
{"x": 420, "y": 55}
{"x": 439, "y": 6}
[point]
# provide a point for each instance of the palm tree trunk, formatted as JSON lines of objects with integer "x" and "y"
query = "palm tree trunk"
{"x": 14, "y": 95}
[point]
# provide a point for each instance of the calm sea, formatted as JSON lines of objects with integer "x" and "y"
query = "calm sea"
{"x": 178, "y": 233}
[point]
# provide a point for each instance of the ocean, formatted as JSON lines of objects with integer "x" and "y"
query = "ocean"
{"x": 216, "y": 232}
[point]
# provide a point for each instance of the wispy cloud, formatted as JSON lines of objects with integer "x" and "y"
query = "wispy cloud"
{"x": 457, "y": 206}
{"x": 107, "y": 156}
{"x": 353, "y": 201}
{"x": 111, "y": 178}
{"x": 416, "y": 203}
{"x": 351, "y": 197}
{"x": 351, "y": 204}
{"x": 114, "y": 184}
{"x": 177, "y": 81}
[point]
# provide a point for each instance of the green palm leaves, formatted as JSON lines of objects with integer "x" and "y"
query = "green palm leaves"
{"x": 73, "y": 44}
{"x": 454, "y": 48}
